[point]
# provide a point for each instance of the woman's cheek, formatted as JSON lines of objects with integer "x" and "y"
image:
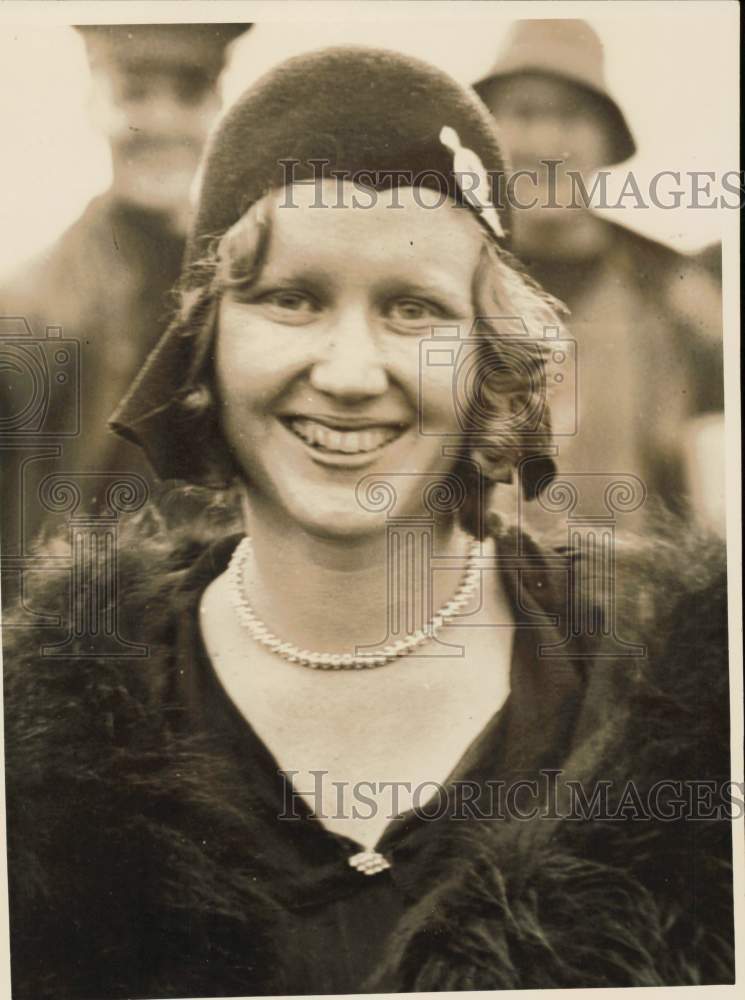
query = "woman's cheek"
{"x": 438, "y": 389}
{"x": 256, "y": 357}
{"x": 438, "y": 413}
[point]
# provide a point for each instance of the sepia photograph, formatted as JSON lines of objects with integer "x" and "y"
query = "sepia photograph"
{"x": 370, "y": 498}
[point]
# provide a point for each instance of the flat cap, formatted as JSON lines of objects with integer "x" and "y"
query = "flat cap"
{"x": 167, "y": 46}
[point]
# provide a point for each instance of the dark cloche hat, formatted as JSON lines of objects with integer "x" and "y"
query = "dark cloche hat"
{"x": 167, "y": 46}
{"x": 570, "y": 50}
{"x": 361, "y": 110}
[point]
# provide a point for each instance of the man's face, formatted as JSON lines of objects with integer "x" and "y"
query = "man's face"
{"x": 156, "y": 118}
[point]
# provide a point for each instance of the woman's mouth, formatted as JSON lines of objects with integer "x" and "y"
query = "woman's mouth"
{"x": 343, "y": 441}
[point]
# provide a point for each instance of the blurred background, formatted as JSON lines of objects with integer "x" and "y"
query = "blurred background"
{"x": 668, "y": 71}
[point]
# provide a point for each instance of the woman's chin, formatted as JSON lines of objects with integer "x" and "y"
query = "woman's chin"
{"x": 345, "y": 521}
{"x": 344, "y": 496}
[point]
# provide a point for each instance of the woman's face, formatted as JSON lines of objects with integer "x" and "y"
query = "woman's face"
{"x": 318, "y": 363}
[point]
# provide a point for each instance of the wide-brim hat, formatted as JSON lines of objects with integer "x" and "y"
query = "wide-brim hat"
{"x": 360, "y": 112}
{"x": 566, "y": 49}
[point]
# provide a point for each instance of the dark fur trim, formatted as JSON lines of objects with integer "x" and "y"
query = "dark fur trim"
{"x": 614, "y": 902}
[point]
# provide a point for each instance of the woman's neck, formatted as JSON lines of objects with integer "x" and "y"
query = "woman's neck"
{"x": 325, "y": 593}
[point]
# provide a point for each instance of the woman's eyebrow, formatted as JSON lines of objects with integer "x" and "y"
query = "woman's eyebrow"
{"x": 440, "y": 289}
{"x": 243, "y": 268}
{"x": 306, "y": 276}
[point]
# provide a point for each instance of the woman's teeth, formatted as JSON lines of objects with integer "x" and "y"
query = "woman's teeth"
{"x": 347, "y": 442}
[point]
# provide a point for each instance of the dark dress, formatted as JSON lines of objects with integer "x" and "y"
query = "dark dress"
{"x": 336, "y": 921}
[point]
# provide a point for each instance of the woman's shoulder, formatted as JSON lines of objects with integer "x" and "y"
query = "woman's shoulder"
{"x": 639, "y": 588}
{"x": 109, "y": 654}
{"x": 604, "y": 869}
{"x": 112, "y": 791}
{"x": 656, "y": 702}
{"x": 647, "y": 622}
{"x": 664, "y": 609}
{"x": 144, "y": 567}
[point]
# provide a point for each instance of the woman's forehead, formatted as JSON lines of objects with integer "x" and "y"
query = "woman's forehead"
{"x": 341, "y": 226}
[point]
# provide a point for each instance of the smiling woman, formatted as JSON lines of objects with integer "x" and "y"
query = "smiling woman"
{"x": 336, "y": 769}
{"x": 325, "y": 347}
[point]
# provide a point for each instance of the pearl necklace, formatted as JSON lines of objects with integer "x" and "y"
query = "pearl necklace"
{"x": 343, "y": 661}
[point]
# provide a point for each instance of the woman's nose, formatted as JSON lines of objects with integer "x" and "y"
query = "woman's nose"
{"x": 350, "y": 365}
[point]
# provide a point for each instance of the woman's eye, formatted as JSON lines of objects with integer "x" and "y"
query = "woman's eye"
{"x": 289, "y": 306}
{"x": 292, "y": 301}
{"x": 413, "y": 312}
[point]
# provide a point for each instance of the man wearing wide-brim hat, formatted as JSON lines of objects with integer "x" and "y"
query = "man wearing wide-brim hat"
{"x": 153, "y": 96}
{"x": 649, "y": 359}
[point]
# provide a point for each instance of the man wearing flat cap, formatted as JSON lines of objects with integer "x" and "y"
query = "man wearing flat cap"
{"x": 104, "y": 285}
{"x": 647, "y": 319}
